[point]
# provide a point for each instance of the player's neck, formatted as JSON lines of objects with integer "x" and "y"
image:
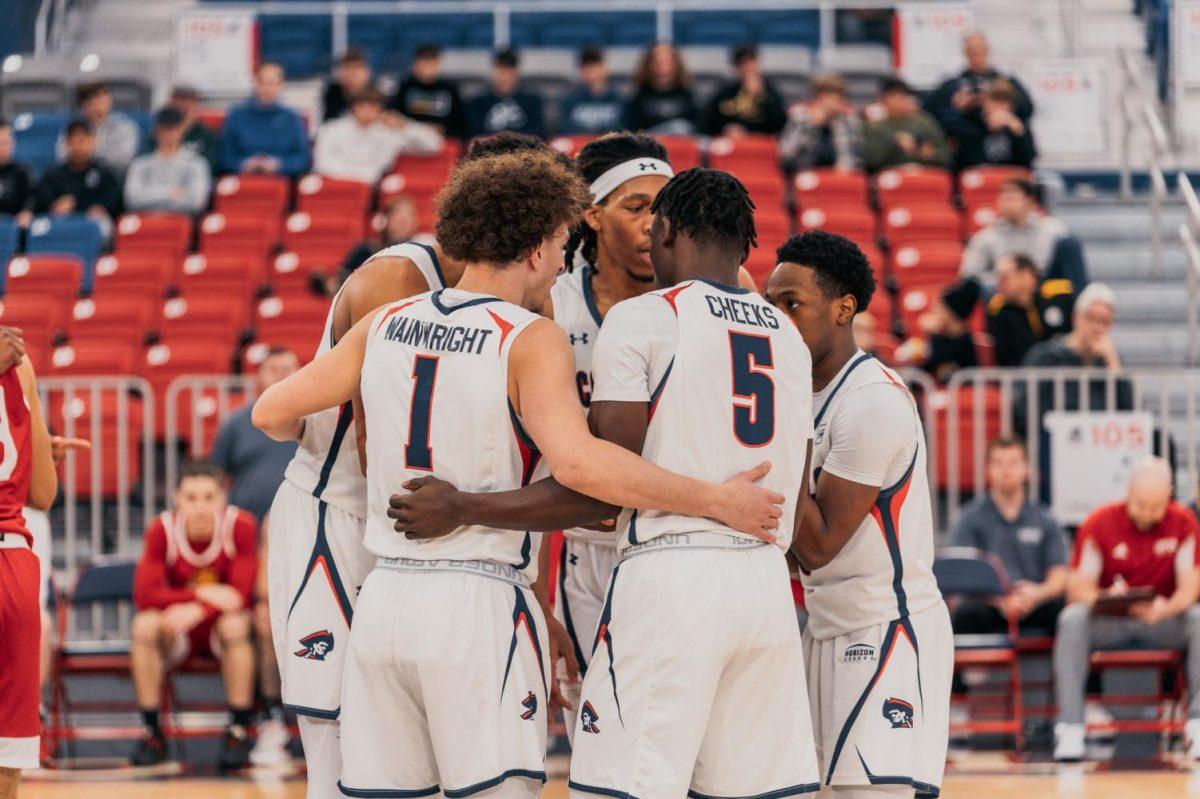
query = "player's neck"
{"x": 507, "y": 284}
{"x": 612, "y": 283}
{"x": 828, "y": 365}
{"x": 724, "y": 274}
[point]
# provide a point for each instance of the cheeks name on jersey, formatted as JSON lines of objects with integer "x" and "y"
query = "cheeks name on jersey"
{"x": 436, "y": 336}
{"x": 742, "y": 312}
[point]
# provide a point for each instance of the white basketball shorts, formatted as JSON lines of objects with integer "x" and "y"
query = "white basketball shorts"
{"x": 446, "y": 683}
{"x": 696, "y": 686}
{"x": 316, "y": 564}
{"x": 881, "y": 702}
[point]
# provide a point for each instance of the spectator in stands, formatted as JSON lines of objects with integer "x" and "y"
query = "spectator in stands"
{"x": 80, "y": 184}
{"x": 351, "y": 78}
{"x": 396, "y": 223}
{"x": 505, "y": 106}
{"x": 944, "y": 345}
{"x": 1025, "y": 310}
{"x": 15, "y": 183}
{"x": 118, "y": 138}
{"x": 662, "y": 102}
{"x": 197, "y": 137}
{"x": 1024, "y": 536}
{"x": 824, "y": 132}
{"x": 255, "y": 464}
{"x": 1144, "y": 545}
{"x": 994, "y": 135}
{"x": 1020, "y": 227}
{"x": 905, "y": 134}
{"x": 962, "y": 97}
{"x": 171, "y": 178}
{"x": 192, "y": 591}
{"x": 748, "y": 103}
{"x": 363, "y": 144}
{"x": 427, "y": 97}
{"x": 261, "y": 135}
{"x": 593, "y": 106}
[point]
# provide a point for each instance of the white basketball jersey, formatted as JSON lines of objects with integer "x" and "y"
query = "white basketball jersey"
{"x": 868, "y": 431}
{"x": 729, "y": 382}
{"x": 326, "y": 462}
{"x": 435, "y": 393}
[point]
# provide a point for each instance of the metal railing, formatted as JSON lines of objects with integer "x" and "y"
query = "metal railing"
{"x": 206, "y": 400}
{"x": 1189, "y": 229}
{"x": 1138, "y": 111}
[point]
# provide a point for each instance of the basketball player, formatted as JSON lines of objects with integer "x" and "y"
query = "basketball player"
{"x": 27, "y": 477}
{"x": 696, "y": 685}
{"x": 446, "y": 682}
{"x": 878, "y": 643}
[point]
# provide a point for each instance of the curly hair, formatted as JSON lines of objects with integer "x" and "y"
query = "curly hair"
{"x": 506, "y": 141}
{"x": 711, "y": 206}
{"x": 597, "y": 157}
{"x": 497, "y": 210}
{"x": 838, "y": 264}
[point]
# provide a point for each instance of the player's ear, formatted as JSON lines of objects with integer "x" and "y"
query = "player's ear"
{"x": 846, "y": 307}
{"x": 592, "y": 216}
{"x": 668, "y": 232}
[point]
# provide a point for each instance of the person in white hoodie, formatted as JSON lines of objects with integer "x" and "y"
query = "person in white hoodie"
{"x": 363, "y": 143}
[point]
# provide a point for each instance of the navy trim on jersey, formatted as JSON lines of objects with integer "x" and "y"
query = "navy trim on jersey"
{"x": 923, "y": 789}
{"x": 566, "y": 607}
{"x": 807, "y": 787}
{"x": 866, "y": 356}
{"x": 321, "y": 551}
{"x": 385, "y": 793}
{"x": 633, "y": 528}
{"x": 432, "y": 253}
{"x": 662, "y": 383}
{"x": 313, "y": 712}
{"x": 604, "y": 634}
{"x": 345, "y": 418}
{"x": 446, "y": 310}
{"x": 493, "y": 782}
{"x": 723, "y": 287}
{"x": 526, "y": 551}
{"x": 884, "y": 654}
{"x": 891, "y": 536}
{"x": 589, "y": 296}
{"x": 579, "y": 786}
{"x": 522, "y": 607}
{"x": 519, "y": 428}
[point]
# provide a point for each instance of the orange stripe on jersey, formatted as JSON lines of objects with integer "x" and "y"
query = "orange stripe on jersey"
{"x": 505, "y": 326}
{"x": 395, "y": 309}
{"x": 894, "y": 506}
{"x": 672, "y": 294}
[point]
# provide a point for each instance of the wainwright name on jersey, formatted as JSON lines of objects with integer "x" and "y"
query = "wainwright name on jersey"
{"x": 719, "y": 361}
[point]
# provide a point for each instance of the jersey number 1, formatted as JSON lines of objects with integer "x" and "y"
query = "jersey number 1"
{"x": 417, "y": 452}
{"x": 753, "y": 388}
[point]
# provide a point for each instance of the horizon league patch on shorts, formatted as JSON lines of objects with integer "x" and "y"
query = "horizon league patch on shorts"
{"x": 898, "y": 712}
{"x": 315, "y": 646}
{"x": 858, "y": 653}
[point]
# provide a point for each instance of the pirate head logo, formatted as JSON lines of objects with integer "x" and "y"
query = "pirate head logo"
{"x": 530, "y": 705}
{"x": 898, "y": 712}
{"x": 315, "y": 646}
{"x": 588, "y": 718}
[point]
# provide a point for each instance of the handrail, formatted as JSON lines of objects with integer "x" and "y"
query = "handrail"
{"x": 1137, "y": 110}
{"x": 1188, "y": 230}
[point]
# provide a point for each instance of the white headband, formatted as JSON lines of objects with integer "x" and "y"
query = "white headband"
{"x": 607, "y": 183}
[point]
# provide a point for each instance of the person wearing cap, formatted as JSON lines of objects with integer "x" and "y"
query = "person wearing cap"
{"x": 351, "y": 77}
{"x": 904, "y": 134}
{"x": 425, "y": 96}
{"x": 1026, "y": 310}
{"x": 945, "y": 344}
{"x": 827, "y": 131}
{"x": 746, "y": 104}
{"x": 505, "y": 106}
{"x": 197, "y": 137}
{"x": 1147, "y": 541}
{"x": 593, "y": 106}
{"x": 362, "y": 145}
{"x": 171, "y": 178}
{"x": 117, "y": 136}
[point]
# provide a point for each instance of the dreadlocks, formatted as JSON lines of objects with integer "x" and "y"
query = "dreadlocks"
{"x": 711, "y": 206}
{"x": 597, "y": 157}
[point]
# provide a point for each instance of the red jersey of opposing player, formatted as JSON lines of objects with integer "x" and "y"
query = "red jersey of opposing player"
{"x": 1109, "y": 545}
{"x": 172, "y": 565}
{"x": 16, "y": 465}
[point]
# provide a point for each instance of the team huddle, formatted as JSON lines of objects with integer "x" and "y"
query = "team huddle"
{"x": 581, "y": 351}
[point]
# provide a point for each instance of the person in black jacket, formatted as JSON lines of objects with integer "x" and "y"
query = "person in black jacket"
{"x": 945, "y": 344}
{"x": 15, "y": 183}
{"x": 995, "y": 135}
{"x": 1023, "y": 313}
{"x": 80, "y": 184}
{"x": 505, "y": 106}
{"x": 662, "y": 103}
{"x": 962, "y": 95}
{"x": 428, "y": 97}
{"x": 747, "y": 104}
{"x": 351, "y": 78}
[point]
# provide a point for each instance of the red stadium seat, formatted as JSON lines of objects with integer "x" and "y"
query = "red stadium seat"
{"x": 726, "y": 152}
{"x": 302, "y": 310}
{"x": 156, "y": 232}
{"x": 102, "y": 425}
{"x": 321, "y": 196}
{"x": 198, "y": 415}
{"x": 290, "y": 271}
{"x": 571, "y": 145}
{"x": 52, "y": 275}
{"x": 113, "y": 316}
{"x": 682, "y": 151}
{"x": 926, "y": 262}
{"x": 977, "y": 217}
{"x": 305, "y": 231}
{"x": 909, "y": 223}
{"x": 224, "y": 274}
{"x": 40, "y": 318}
{"x": 966, "y": 398}
{"x": 247, "y": 236}
{"x": 421, "y": 188}
{"x": 856, "y": 224}
{"x": 96, "y": 357}
{"x": 134, "y": 272}
{"x": 218, "y": 319}
{"x": 174, "y": 357}
{"x": 211, "y": 118}
{"x": 916, "y": 300}
{"x": 819, "y": 187}
{"x": 236, "y": 193}
{"x": 978, "y": 185}
{"x": 913, "y": 184}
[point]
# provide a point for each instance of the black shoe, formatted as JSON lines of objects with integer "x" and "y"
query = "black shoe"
{"x": 150, "y": 751}
{"x": 235, "y": 749}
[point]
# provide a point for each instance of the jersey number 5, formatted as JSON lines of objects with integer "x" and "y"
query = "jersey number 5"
{"x": 417, "y": 452}
{"x": 753, "y": 388}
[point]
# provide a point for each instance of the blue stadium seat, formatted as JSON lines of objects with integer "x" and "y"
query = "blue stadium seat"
{"x": 458, "y": 31}
{"x": 36, "y": 136}
{"x": 74, "y": 234}
{"x": 796, "y": 27}
{"x": 9, "y": 238}
{"x": 373, "y": 34}
{"x": 577, "y": 30}
{"x": 300, "y": 43}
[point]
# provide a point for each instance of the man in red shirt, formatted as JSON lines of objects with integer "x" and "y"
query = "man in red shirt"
{"x": 193, "y": 589}
{"x": 1146, "y": 542}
